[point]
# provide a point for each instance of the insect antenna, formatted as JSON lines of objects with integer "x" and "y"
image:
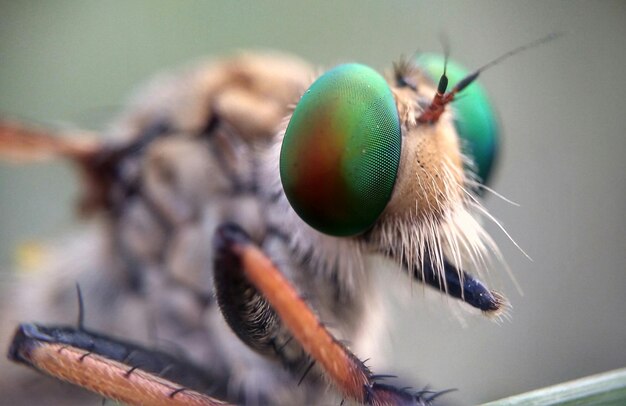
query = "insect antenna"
{"x": 443, "y": 80}
{"x": 437, "y": 106}
{"x": 466, "y": 81}
{"x": 432, "y": 113}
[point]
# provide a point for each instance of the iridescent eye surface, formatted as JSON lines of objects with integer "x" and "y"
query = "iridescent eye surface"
{"x": 341, "y": 151}
{"x": 475, "y": 120}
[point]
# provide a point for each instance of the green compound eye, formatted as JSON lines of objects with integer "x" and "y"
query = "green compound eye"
{"x": 475, "y": 120}
{"x": 341, "y": 151}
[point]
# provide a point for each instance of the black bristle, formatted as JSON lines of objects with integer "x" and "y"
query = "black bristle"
{"x": 306, "y": 372}
{"x": 81, "y": 308}
{"x": 130, "y": 371}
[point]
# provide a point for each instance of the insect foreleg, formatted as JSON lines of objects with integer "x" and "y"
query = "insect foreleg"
{"x": 250, "y": 315}
{"x": 239, "y": 255}
{"x": 109, "y": 367}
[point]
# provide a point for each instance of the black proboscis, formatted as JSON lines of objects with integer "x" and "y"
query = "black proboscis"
{"x": 459, "y": 284}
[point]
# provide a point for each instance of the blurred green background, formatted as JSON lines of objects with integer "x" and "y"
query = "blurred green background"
{"x": 562, "y": 108}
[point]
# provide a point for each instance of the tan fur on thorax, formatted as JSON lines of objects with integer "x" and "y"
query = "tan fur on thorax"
{"x": 249, "y": 91}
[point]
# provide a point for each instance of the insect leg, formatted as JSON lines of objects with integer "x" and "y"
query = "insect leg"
{"x": 239, "y": 255}
{"x": 249, "y": 314}
{"x": 59, "y": 352}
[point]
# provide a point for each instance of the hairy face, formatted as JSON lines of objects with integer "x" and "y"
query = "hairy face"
{"x": 431, "y": 215}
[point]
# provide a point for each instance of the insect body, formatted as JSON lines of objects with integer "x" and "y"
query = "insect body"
{"x": 207, "y": 204}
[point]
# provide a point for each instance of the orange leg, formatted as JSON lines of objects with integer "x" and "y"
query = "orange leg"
{"x": 109, "y": 378}
{"x": 349, "y": 375}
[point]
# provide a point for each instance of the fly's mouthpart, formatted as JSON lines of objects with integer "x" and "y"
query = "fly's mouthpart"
{"x": 440, "y": 239}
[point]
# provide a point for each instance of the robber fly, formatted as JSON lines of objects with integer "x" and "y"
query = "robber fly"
{"x": 229, "y": 256}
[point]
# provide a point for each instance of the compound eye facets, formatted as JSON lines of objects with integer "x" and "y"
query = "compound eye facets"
{"x": 475, "y": 120}
{"x": 341, "y": 151}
